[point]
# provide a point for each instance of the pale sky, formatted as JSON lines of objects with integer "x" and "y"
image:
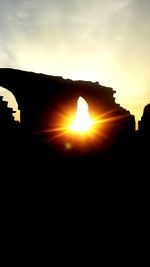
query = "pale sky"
{"x": 99, "y": 40}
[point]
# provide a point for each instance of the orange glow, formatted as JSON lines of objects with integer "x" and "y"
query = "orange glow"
{"x": 82, "y": 121}
{"x": 82, "y": 130}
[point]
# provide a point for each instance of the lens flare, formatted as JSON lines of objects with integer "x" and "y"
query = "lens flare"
{"x": 82, "y": 121}
{"x": 80, "y": 128}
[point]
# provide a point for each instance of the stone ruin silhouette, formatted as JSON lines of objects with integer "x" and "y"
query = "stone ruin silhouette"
{"x": 42, "y": 98}
{"x": 39, "y": 95}
{"x": 41, "y": 181}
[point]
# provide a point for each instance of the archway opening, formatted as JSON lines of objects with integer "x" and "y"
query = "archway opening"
{"x": 8, "y": 97}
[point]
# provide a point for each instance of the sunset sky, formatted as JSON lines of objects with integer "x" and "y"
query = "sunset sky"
{"x": 98, "y": 40}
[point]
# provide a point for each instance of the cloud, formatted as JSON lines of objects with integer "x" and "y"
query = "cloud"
{"x": 104, "y": 40}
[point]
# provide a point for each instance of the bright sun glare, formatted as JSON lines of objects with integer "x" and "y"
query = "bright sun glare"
{"x": 82, "y": 121}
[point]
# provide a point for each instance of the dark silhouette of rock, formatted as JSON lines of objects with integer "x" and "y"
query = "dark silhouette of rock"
{"x": 143, "y": 132}
{"x": 47, "y": 165}
{"x": 144, "y": 124}
{"x": 7, "y": 121}
{"x": 42, "y": 175}
{"x": 143, "y": 141}
{"x": 43, "y": 99}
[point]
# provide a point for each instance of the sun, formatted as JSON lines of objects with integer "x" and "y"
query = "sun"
{"x": 82, "y": 122}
